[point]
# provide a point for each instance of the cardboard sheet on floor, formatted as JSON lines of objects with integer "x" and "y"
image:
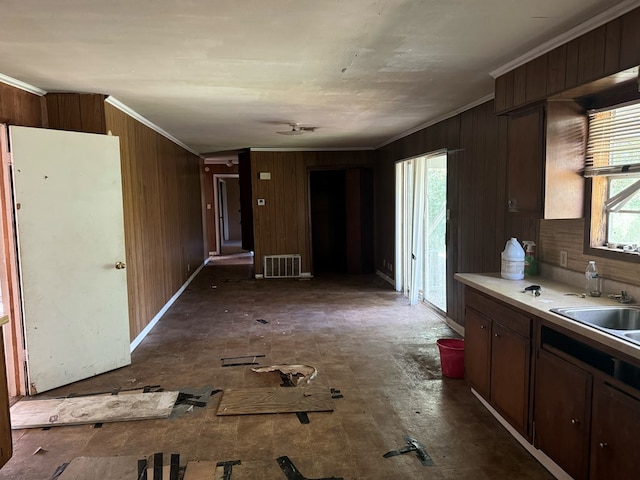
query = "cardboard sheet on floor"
{"x": 252, "y": 401}
{"x": 93, "y": 409}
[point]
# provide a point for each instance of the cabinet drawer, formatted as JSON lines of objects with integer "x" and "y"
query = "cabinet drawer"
{"x": 507, "y": 316}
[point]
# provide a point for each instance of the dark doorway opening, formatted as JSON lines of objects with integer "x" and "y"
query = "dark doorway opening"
{"x": 328, "y": 221}
{"x": 342, "y": 220}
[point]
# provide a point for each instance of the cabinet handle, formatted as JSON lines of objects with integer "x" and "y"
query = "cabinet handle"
{"x": 575, "y": 421}
{"x": 603, "y": 444}
{"x": 497, "y": 335}
{"x": 482, "y": 327}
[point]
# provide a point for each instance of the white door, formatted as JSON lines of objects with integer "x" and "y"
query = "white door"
{"x": 68, "y": 200}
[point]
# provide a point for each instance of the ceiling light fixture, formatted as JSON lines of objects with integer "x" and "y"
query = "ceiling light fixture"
{"x": 297, "y": 130}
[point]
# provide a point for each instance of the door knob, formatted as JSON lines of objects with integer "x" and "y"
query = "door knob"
{"x": 120, "y": 266}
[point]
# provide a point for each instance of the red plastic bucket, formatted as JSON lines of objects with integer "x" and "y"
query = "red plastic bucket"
{"x": 452, "y": 357}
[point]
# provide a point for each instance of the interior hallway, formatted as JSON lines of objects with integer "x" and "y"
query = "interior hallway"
{"x": 364, "y": 339}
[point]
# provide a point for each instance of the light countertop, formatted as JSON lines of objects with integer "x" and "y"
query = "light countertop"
{"x": 553, "y": 295}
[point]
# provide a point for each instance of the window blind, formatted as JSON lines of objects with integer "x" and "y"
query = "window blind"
{"x": 613, "y": 146}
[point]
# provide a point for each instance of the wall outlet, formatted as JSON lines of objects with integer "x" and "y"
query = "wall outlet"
{"x": 563, "y": 258}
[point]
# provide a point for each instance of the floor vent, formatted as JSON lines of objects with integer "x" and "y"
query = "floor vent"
{"x": 282, "y": 266}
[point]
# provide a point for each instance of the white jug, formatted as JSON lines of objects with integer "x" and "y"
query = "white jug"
{"x": 512, "y": 261}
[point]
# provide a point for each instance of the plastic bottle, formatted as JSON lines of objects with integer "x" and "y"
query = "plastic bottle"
{"x": 530, "y": 262}
{"x": 512, "y": 265}
{"x": 592, "y": 280}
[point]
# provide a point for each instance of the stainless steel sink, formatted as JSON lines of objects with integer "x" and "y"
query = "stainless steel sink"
{"x": 621, "y": 321}
{"x": 615, "y": 318}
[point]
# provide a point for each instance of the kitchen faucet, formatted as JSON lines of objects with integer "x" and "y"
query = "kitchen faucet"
{"x": 622, "y": 297}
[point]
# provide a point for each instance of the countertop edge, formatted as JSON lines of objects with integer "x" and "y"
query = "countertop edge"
{"x": 554, "y": 295}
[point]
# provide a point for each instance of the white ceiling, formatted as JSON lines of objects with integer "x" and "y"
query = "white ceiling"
{"x": 222, "y": 74}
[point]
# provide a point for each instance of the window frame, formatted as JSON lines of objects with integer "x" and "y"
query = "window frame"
{"x": 608, "y": 100}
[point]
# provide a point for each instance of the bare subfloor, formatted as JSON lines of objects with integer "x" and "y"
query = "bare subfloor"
{"x": 365, "y": 341}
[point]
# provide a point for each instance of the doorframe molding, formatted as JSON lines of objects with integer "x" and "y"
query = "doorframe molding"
{"x": 14, "y": 343}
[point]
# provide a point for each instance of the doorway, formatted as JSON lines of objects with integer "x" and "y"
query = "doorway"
{"x": 421, "y": 207}
{"x": 226, "y": 191}
{"x": 341, "y": 205}
{"x": 328, "y": 221}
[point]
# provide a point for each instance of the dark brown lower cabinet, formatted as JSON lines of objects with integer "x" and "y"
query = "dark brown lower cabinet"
{"x": 498, "y": 357}
{"x": 510, "y": 363}
{"x": 477, "y": 351}
{"x": 561, "y": 414}
{"x": 615, "y": 432}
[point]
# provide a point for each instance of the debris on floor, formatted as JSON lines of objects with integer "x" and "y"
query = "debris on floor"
{"x": 412, "y": 446}
{"x": 292, "y": 473}
{"x": 191, "y": 398}
{"x": 300, "y": 373}
{"x": 241, "y": 361}
{"x": 91, "y": 409}
{"x": 253, "y": 401}
{"x": 335, "y": 393}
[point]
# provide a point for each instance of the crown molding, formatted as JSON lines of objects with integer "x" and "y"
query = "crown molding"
{"x": 586, "y": 26}
{"x": 442, "y": 118}
{"x": 14, "y": 82}
{"x": 304, "y": 149}
{"x": 133, "y": 114}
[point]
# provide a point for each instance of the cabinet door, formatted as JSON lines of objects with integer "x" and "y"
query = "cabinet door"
{"x": 525, "y": 162}
{"x": 562, "y": 400}
{"x": 615, "y": 433}
{"x": 510, "y": 362}
{"x": 477, "y": 351}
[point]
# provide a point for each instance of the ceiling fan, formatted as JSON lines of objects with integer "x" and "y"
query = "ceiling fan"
{"x": 297, "y": 130}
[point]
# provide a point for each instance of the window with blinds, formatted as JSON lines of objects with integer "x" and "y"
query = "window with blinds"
{"x": 613, "y": 164}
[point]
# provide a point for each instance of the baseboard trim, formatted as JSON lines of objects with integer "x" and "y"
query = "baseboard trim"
{"x": 138, "y": 340}
{"x": 386, "y": 278}
{"x": 546, "y": 462}
{"x": 455, "y": 326}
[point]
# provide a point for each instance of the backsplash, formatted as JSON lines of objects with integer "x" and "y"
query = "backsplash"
{"x": 568, "y": 236}
{"x": 577, "y": 280}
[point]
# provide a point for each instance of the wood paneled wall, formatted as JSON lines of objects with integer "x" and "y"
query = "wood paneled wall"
{"x": 476, "y": 141}
{"x": 162, "y": 215}
{"x": 282, "y": 225}
{"x": 76, "y": 112}
{"x": 18, "y": 107}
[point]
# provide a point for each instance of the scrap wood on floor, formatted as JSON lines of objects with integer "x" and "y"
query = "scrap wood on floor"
{"x": 92, "y": 409}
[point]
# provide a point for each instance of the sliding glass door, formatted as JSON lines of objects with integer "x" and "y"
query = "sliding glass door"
{"x": 421, "y": 206}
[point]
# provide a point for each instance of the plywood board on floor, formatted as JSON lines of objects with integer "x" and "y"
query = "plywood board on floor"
{"x": 252, "y": 401}
{"x": 93, "y": 409}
